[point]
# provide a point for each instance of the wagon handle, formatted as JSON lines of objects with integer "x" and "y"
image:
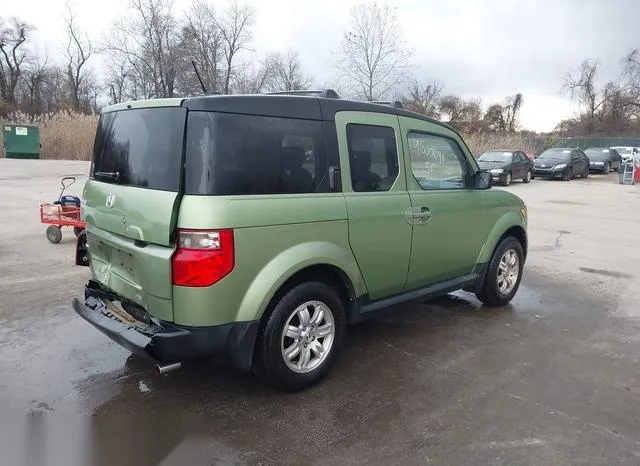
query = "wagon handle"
{"x": 66, "y": 185}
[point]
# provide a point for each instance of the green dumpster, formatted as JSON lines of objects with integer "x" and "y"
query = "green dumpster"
{"x": 21, "y": 141}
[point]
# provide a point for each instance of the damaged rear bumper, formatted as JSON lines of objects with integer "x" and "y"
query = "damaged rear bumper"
{"x": 161, "y": 341}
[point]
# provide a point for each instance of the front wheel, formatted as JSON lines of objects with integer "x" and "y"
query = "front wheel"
{"x": 567, "y": 175}
{"x": 302, "y": 337}
{"x": 607, "y": 169}
{"x": 54, "y": 234}
{"x": 504, "y": 273}
{"x": 527, "y": 177}
{"x": 507, "y": 179}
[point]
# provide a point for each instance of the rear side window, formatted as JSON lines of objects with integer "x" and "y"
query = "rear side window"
{"x": 372, "y": 156}
{"x": 140, "y": 147}
{"x": 230, "y": 154}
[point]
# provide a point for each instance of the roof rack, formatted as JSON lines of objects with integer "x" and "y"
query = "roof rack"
{"x": 328, "y": 93}
{"x": 393, "y": 103}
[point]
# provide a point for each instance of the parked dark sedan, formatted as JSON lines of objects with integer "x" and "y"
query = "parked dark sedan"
{"x": 565, "y": 163}
{"x": 507, "y": 165}
{"x": 603, "y": 160}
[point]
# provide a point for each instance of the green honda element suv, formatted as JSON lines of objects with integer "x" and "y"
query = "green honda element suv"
{"x": 258, "y": 227}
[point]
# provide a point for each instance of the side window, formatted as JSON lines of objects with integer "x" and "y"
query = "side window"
{"x": 575, "y": 155}
{"x": 280, "y": 155}
{"x": 372, "y": 156}
{"x": 437, "y": 162}
{"x": 521, "y": 156}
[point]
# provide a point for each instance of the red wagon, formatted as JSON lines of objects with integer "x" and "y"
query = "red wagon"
{"x": 63, "y": 212}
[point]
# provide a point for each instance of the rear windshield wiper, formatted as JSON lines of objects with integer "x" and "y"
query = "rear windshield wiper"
{"x": 109, "y": 175}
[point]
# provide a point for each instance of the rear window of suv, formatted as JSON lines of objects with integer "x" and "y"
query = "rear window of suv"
{"x": 140, "y": 147}
{"x": 233, "y": 154}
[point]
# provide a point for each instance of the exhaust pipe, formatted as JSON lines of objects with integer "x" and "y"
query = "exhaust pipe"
{"x": 166, "y": 368}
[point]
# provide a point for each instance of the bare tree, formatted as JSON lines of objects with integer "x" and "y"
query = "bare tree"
{"x": 235, "y": 32}
{"x": 148, "y": 42}
{"x": 511, "y": 111}
{"x": 451, "y": 107}
{"x": 582, "y": 88}
{"x": 631, "y": 76}
{"x": 13, "y": 53}
{"x": 251, "y": 78}
{"x": 286, "y": 73}
{"x": 31, "y": 88}
{"x": 202, "y": 41}
{"x": 372, "y": 54}
{"x": 424, "y": 98}
{"x": 78, "y": 51}
{"x": 494, "y": 118}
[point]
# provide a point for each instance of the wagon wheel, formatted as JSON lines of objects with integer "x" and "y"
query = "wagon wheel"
{"x": 54, "y": 234}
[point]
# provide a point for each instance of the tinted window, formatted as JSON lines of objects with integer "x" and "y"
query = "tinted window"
{"x": 140, "y": 147}
{"x": 496, "y": 156}
{"x": 437, "y": 162}
{"x": 229, "y": 154}
{"x": 597, "y": 154}
{"x": 373, "y": 157}
{"x": 624, "y": 150}
{"x": 555, "y": 154}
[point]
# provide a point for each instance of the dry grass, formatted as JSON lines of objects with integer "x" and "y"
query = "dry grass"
{"x": 63, "y": 135}
{"x": 70, "y": 136}
{"x": 479, "y": 143}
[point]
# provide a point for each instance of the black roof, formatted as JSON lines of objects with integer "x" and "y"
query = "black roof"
{"x": 294, "y": 106}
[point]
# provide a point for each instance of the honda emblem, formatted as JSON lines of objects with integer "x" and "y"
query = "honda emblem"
{"x": 111, "y": 199}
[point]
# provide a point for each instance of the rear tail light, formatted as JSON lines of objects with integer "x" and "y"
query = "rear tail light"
{"x": 202, "y": 257}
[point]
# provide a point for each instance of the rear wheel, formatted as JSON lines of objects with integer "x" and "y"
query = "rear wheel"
{"x": 586, "y": 173}
{"x": 54, "y": 234}
{"x": 302, "y": 337}
{"x": 504, "y": 273}
{"x": 527, "y": 177}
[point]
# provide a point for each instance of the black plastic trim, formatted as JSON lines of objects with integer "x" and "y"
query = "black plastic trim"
{"x": 166, "y": 342}
{"x": 282, "y": 106}
{"x": 365, "y": 309}
{"x": 296, "y": 106}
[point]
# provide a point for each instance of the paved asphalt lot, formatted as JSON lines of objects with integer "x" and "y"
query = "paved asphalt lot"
{"x": 551, "y": 379}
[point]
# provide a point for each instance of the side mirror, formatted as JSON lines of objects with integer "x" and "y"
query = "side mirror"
{"x": 482, "y": 180}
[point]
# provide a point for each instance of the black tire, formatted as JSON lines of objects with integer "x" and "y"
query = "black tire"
{"x": 77, "y": 231}
{"x": 567, "y": 175}
{"x": 607, "y": 169}
{"x": 528, "y": 177}
{"x": 508, "y": 179}
{"x": 54, "y": 234}
{"x": 269, "y": 363}
{"x": 490, "y": 294}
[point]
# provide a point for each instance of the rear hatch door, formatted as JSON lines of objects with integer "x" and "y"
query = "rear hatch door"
{"x": 131, "y": 203}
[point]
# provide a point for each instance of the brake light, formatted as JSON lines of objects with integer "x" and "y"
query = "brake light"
{"x": 202, "y": 257}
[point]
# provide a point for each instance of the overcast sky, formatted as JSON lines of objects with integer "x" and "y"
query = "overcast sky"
{"x": 482, "y": 48}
